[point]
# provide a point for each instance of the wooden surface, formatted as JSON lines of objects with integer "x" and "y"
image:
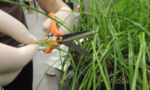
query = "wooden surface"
{"x": 30, "y": 4}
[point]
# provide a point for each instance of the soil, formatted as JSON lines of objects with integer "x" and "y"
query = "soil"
{"x": 119, "y": 79}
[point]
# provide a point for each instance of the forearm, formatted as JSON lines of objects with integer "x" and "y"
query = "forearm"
{"x": 52, "y": 5}
{"x": 6, "y": 78}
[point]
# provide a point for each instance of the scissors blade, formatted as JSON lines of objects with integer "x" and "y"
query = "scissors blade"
{"x": 76, "y": 48}
{"x": 77, "y": 35}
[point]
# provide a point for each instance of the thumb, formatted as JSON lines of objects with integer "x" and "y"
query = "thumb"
{"x": 12, "y": 58}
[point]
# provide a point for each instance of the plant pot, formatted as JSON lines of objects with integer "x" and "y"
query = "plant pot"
{"x": 118, "y": 86}
{"x": 65, "y": 86}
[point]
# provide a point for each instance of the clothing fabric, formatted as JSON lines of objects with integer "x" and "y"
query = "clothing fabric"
{"x": 16, "y": 12}
{"x": 24, "y": 80}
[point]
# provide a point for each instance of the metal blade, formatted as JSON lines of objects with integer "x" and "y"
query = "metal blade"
{"x": 76, "y": 48}
{"x": 77, "y": 35}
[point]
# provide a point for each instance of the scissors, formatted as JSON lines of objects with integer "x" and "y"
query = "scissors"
{"x": 67, "y": 38}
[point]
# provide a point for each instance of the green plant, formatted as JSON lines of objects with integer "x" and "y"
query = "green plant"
{"x": 120, "y": 49}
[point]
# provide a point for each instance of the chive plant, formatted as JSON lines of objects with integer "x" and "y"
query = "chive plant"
{"x": 120, "y": 49}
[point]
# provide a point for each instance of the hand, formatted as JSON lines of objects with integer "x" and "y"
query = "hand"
{"x": 64, "y": 14}
{"x": 13, "y": 59}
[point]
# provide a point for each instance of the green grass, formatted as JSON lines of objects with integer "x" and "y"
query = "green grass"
{"x": 121, "y": 43}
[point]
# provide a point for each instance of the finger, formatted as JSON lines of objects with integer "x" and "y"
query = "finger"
{"x": 46, "y": 27}
{"x": 42, "y": 48}
{"x": 12, "y": 58}
{"x": 12, "y": 27}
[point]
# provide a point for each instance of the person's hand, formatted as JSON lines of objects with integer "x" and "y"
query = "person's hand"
{"x": 65, "y": 15}
{"x": 13, "y": 59}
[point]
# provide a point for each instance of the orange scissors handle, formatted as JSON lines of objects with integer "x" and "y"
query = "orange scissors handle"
{"x": 53, "y": 28}
{"x": 51, "y": 44}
